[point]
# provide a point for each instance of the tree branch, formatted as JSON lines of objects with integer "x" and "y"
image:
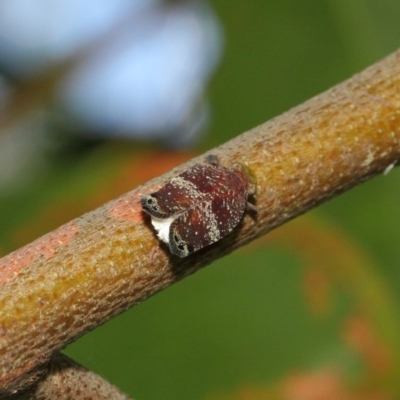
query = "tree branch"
{"x": 91, "y": 269}
{"x": 65, "y": 379}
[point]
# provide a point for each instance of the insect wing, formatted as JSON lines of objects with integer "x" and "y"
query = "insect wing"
{"x": 206, "y": 223}
{"x": 228, "y": 208}
{"x": 176, "y": 196}
{"x": 192, "y": 231}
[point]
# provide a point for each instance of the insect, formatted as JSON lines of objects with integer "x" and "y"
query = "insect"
{"x": 200, "y": 206}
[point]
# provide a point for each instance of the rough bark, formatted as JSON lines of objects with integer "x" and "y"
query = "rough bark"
{"x": 64, "y": 379}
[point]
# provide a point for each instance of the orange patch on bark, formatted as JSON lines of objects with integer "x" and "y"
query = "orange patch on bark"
{"x": 128, "y": 207}
{"x": 45, "y": 247}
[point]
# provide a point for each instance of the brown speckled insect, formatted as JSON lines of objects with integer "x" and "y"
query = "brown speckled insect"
{"x": 199, "y": 206}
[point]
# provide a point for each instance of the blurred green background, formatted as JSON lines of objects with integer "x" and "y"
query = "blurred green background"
{"x": 314, "y": 304}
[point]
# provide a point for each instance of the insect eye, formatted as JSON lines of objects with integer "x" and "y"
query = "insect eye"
{"x": 152, "y": 203}
{"x": 181, "y": 247}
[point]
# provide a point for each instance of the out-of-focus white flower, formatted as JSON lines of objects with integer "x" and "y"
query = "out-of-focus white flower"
{"x": 146, "y": 77}
{"x": 33, "y": 34}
